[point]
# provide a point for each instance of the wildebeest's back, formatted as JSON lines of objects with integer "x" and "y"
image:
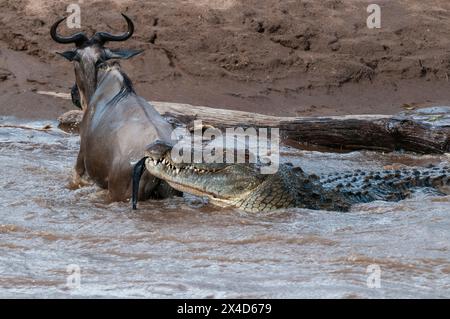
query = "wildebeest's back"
{"x": 118, "y": 134}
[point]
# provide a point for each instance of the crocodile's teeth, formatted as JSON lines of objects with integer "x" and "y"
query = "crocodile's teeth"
{"x": 177, "y": 170}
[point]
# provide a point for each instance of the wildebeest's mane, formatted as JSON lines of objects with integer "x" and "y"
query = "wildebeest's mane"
{"x": 127, "y": 84}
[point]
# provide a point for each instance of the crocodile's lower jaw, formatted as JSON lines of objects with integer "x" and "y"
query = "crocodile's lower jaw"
{"x": 187, "y": 189}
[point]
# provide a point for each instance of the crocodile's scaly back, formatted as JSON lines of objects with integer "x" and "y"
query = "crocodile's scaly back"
{"x": 291, "y": 187}
{"x": 387, "y": 185}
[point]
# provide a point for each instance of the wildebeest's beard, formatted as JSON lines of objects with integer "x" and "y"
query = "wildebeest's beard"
{"x": 75, "y": 95}
{"x": 89, "y": 53}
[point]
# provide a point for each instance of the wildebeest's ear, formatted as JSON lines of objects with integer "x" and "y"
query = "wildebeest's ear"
{"x": 69, "y": 55}
{"x": 121, "y": 54}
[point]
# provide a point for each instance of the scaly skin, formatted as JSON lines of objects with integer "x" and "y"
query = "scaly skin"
{"x": 244, "y": 187}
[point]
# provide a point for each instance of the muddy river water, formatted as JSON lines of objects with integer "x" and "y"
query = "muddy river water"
{"x": 58, "y": 242}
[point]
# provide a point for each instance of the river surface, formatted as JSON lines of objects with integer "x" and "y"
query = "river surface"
{"x": 183, "y": 248}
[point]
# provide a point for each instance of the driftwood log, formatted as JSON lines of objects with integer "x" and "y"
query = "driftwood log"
{"x": 424, "y": 130}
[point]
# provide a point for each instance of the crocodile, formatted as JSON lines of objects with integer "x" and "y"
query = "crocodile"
{"x": 243, "y": 186}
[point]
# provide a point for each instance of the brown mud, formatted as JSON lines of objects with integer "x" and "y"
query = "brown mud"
{"x": 273, "y": 57}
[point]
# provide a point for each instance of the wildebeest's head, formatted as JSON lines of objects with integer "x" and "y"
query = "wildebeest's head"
{"x": 90, "y": 53}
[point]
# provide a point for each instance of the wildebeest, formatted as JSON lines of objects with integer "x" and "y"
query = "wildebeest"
{"x": 117, "y": 123}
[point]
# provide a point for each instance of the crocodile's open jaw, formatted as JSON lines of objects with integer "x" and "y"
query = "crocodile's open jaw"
{"x": 219, "y": 181}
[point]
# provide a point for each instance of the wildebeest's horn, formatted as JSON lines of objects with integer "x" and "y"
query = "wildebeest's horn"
{"x": 77, "y": 38}
{"x": 104, "y": 36}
